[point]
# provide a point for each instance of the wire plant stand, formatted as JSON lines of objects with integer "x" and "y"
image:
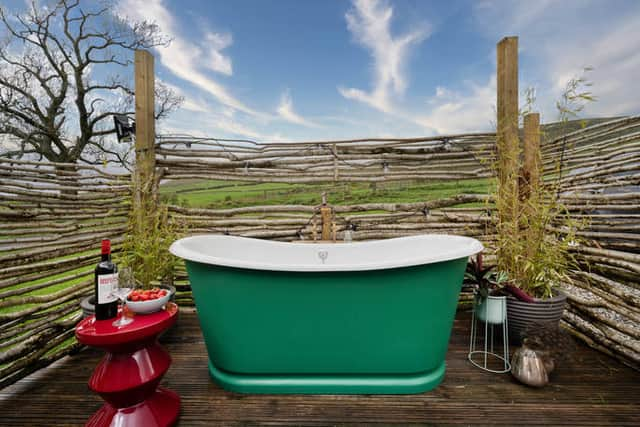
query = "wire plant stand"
{"x": 488, "y": 314}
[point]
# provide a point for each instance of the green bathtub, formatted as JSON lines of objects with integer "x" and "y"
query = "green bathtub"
{"x": 366, "y": 317}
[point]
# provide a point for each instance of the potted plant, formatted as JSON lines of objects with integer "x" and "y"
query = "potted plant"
{"x": 535, "y": 232}
{"x": 489, "y": 299}
{"x": 534, "y": 251}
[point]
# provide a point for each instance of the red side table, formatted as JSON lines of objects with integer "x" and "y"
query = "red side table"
{"x": 127, "y": 377}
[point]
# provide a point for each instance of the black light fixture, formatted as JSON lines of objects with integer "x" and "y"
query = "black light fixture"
{"x": 125, "y": 127}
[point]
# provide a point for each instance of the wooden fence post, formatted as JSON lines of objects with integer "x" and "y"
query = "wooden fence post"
{"x": 507, "y": 140}
{"x": 532, "y": 161}
{"x": 145, "y": 128}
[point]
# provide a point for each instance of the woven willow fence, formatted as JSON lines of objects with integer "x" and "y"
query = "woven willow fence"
{"x": 52, "y": 218}
{"x": 371, "y": 160}
{"x": 601, "y": 184}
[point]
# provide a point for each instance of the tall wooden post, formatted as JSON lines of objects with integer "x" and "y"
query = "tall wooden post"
{"x": 508, "y": 149}
{"x": 532, "y": 161}
{"x": 145, "y": 127}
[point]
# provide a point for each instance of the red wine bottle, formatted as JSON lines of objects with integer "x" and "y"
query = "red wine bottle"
{"x": 106, "y": 281}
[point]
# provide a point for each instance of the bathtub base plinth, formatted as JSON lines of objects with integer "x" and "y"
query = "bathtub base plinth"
{"x": 328, "y": 384}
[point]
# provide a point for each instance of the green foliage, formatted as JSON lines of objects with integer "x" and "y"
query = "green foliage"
{"x": 486, "y": 280}
{"x": 146, "y": 247}
{"x": 538, "y": 257}
{"x": 535, "y": 239}
{"x": 575, "y": 97}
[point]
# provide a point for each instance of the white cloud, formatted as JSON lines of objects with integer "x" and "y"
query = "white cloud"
{"x": 615, "y": 58}
{"x": 285, "y": 110}
{"x": 559, "y": 39}
{"x": 456, "y": 111}
{"x": 370, "y": 24}
{"x": 217, "y": 60}
{"x": 211, "y": 122}
{"x": 188, "y": 59}
{"x": 571, "y": 38}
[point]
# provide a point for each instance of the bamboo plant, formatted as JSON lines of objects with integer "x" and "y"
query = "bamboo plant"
{"x": 145, "y": 250}
{"x": 536, "y": 232}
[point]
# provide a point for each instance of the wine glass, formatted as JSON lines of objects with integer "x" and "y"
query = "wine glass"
{"x": 121, "y": 292}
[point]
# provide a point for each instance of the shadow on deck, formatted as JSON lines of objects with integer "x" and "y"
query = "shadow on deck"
{"x": 593, "y": 389}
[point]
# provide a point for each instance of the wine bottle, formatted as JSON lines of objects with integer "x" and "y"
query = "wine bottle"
{"x": 106, "y": 280}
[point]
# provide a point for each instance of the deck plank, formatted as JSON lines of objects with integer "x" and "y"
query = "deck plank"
{"x": 592, "y": 389}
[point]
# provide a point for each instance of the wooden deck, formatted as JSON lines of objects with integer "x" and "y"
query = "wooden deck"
{"x": 591, "y": 390}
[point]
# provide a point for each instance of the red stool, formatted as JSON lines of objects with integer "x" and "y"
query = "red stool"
{"x": 127, "y": 377}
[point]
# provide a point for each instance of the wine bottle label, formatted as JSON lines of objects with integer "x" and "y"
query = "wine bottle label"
{"x": 107, "y": 283}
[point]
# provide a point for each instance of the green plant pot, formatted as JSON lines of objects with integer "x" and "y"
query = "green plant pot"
{"x": 492, "y": 309}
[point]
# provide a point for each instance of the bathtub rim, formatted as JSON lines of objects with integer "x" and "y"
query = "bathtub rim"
{"x": 179, "y": 249}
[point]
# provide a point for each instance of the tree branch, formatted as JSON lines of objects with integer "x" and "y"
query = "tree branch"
{"x": 47, "y": 97}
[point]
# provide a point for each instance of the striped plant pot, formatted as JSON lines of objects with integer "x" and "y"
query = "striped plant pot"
{"x": 520, "y": 314}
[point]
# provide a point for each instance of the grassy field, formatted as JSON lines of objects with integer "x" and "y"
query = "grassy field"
{"x": 219, "y": 194}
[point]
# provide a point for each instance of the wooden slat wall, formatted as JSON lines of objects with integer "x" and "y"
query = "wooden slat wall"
{"x": 52, "y": 218}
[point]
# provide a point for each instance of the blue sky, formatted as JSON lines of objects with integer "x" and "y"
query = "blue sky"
{"x": 302, "y": 70}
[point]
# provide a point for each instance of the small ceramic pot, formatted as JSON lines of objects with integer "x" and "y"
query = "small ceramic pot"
{"x": 492, "y": 309}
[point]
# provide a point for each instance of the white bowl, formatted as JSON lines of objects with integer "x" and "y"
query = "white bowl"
{"x": 150, "y": 306}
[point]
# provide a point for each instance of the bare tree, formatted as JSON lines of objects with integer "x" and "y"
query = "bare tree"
{"x": 61, "y": 81}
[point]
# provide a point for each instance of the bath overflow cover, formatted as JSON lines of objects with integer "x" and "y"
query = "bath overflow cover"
{"x": 323, "y": 255}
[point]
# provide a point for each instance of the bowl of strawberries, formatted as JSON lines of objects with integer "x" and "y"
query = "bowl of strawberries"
{"x": 145, "y": 301}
